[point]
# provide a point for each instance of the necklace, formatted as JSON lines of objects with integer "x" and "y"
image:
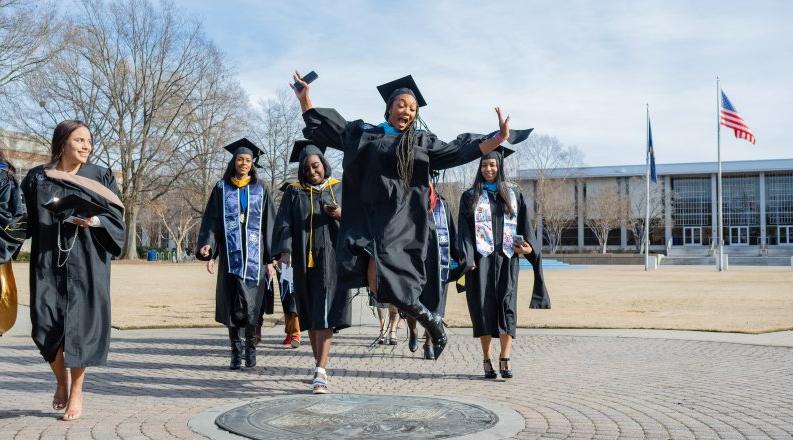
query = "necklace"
{"x": 66, "y": 251}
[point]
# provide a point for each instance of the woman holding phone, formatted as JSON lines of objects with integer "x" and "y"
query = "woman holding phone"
{"x": 70, "y": 260}
{"x": 306, "y": 228}
{"x": 494, "y": 231}
{"x": 384, "y": 243}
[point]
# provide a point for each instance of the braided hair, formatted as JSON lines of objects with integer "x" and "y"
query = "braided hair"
{"x": 406, "y": 146}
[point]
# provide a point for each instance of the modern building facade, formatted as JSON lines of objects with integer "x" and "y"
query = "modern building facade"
{"x": 757, "y": 204}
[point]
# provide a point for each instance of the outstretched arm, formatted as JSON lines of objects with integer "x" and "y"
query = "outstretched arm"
{"x": 491, "y": 143}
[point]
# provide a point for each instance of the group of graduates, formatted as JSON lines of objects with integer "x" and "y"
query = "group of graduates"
{"x": 392, "y": 233}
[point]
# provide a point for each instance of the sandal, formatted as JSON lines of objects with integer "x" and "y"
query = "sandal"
{"x": 503, "y": 365}
{"x": 392, "y": 339}
{"x": 320, "y": 383}
{"x": 58, "y": 405}
{"x": 381, "y": 338}
{"x": 490, "y": 372}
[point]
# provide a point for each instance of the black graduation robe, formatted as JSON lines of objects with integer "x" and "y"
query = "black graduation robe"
{"x": 70, "y": 305}
{"x": 12, "y": 235}
{"x": 318, "y": 304}
{"x": 237, "y": 303}
{"x": 12, "y": 216}
{"x": 491, "y": 288}
{"x": 434, "y": 295}
{"x": 382, "y": 219}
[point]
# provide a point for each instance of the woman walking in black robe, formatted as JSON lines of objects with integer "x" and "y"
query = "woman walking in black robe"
{"x": 12, "y": 235}
{"x": 237, "y": 227}
{"x": 492, "y": 214}
{"x": 383, "y": 242}
{"x": 306, "y": 230}
{"x": 76, "y": 224}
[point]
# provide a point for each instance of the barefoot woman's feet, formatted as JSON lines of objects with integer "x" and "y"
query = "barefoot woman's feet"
{"x": 74, "y": 409}
{"x": 60, "y": 398}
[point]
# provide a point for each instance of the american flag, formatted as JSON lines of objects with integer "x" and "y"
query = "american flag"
{"x": 731, "y": 119}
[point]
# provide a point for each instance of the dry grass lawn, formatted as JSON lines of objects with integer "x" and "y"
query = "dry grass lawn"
{"x": 744, "y": 299}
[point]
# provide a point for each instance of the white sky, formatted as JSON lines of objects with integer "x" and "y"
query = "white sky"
{"x": 579, "y": 70}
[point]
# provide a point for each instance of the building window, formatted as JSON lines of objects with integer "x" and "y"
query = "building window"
{"x": 779, "y": 208}
{"x": 741, "y": 201}
{"x": 692, "y": 205}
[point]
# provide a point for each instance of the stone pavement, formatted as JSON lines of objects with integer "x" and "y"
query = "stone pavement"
{"x": 583, "y": 384}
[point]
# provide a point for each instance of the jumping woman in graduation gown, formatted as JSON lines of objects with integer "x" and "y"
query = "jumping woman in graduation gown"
{"x": 12, "y": 235}
{"x": 492, "y": 214}
{"x": 237, "y": 228}
{"x": 384, "y": 239}
{"x": 70, "y": 261}
{"x": 306, "y": 229}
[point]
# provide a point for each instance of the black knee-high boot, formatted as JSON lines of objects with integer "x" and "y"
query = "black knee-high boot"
{"x": 250, "y": 346}
{"x": 432, "y": 322}
{"x": 236, "y": 348}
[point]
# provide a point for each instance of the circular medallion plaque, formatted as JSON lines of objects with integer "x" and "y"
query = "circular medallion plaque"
{"x": 337, "y": 416}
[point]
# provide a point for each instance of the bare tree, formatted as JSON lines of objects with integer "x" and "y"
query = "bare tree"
{"x": 638, "y": 207}
{"x": 130, "y": 70}
{"x": 177, "y": 217}
{"x": 28, "y": 30}
{"x": 558, "y": 207}
{"x": 606, "y": 210}
{"x": 276, "y": 124}
{"x": 219, "y": 120}
{"x": 549, "y": 159}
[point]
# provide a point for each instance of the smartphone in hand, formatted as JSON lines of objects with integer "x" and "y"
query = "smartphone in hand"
{"x": 518, "y": 240}
{"x": 309, "y": 78}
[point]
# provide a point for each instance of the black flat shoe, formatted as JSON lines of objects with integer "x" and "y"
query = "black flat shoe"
{"x": 429, "y": 354}
{"x": 503, "y": 365}
{"x": 490, "y": 372}
{"x": 413, "y": 342}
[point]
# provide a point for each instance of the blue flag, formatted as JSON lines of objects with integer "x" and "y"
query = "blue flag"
{"x": 651, "y": 152}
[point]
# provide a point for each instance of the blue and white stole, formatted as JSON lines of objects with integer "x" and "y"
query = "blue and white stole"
{"x": 483, "y": 225}
{"x": 235, "y": 224}
{"x": 442, "y": 231}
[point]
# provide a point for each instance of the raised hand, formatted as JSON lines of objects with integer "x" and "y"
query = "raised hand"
{"x": 503, "y": 124}
{"x": 302, "y": 94}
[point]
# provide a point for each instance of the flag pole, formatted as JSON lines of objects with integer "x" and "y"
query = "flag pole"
{"x": 647, "y": 210}
{"x": 718, "y": 155}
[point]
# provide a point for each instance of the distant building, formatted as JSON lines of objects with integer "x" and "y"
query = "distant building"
{"x": 757, "y": 204}
{"x": 23, "y": 151}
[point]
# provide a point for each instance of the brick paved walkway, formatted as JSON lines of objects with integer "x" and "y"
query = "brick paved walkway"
{"x": 565, "y": 386}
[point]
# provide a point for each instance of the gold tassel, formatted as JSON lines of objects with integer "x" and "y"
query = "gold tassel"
{"x": 310, "y": 259}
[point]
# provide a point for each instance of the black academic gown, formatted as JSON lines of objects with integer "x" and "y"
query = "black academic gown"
{"x": 318, "y": 303}
{"x": 12, "y": 216}
{"x": 70, "y": 305}
{"x": 491, "y": 288}
{"x": 382, "y": 219}
{"x": 434, "y": 295}
{"x": 237, "y": 303}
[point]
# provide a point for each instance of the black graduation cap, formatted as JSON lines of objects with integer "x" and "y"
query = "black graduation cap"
{"x": 399, "y": 86}
{"x": 501, "y": 152}
{"x": 78, "y": 206}
{"x": 303, "y": 148}
{"x": 239, "y": 147}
